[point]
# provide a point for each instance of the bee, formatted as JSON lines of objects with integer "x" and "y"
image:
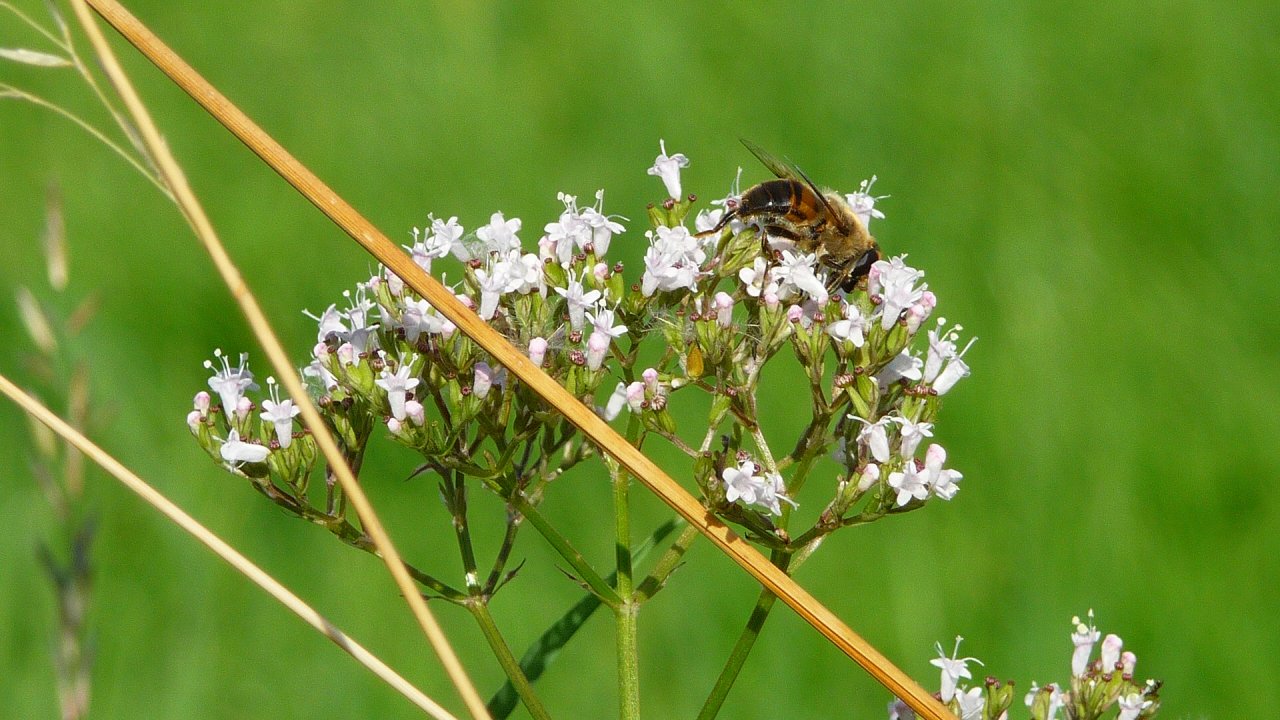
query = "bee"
{"x": 817, "y": 221}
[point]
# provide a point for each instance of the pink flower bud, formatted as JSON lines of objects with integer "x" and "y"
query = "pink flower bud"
{"x": 394, "y": 426}
{"x": 794, "y": 313}
{"x": 724, "y": 309}
{"x": 320, "y": 351}
{"x": 466, "y": 300}
{"x": 483, "y": 380}
{"x": 601, "y": 271}
{"x": 1127, "y": 662}
{"x": 870, "y": 476}
{"x": 202, "y": 402}
{"x": 771, "y": 300}
{"x": 347, "y": 354}
{"x": 635, "y": 396}
{"x": 194, "y": 418}
{"x": 415, "y": 412}
{"x": 597, "y": 348}
{"x": 537, "y": 350}
{"x": 447, "y": 329}
{"x": 650, "y": 377}
{"x": 1110, "y": 653}
{"x": 243, "y": 408}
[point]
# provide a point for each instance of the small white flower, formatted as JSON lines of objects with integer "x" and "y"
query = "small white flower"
{"x": 910, "y": 483}
{"x": 668, "y": 168}
{"x": 449, "y": 233}
{"x": 328, "y": 323}
{"x": 493, "y": 283}
{"x": 944, "y": 366}
{"x": 904, "y": 365}
{"x": 912, "y": 433}
{"x": 1083, "y": 638}
{"x": 971, "y": 703}
{"x": 499, "y": 236}
{"x": 427, "y": 247}
{"x": 797, "y": 272}
{"x": 850, "y": 328}
{"x": 895, "y": 284}
{"x": 953, "y": 668}
{"x": 864, "y": 203}
{"x": 603, "y": 227}
{"x": 757, "y": 278}
{"x": 280, "y": 413}
{"x": 875, "y": 436}
{"x": 236, "y": 452}
{"x": 1131, "y": 706}
{"x": 940, "y": 480}
{"x": 673, "y": 261}
{"x": 602, "y": 320}
{"x": 317, "y": 372}
{"x": 578, "y": 300}
{"x": 707, "y": 219}
{"x": 228, "y": 383}
{"x": 397, "y": 385}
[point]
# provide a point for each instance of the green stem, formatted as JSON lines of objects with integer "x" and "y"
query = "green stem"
{"x": 742, "y": 648}
{"x": 480, "y": 611}
{"x": 561, "y": 545}
{"x": 625, "y": 614}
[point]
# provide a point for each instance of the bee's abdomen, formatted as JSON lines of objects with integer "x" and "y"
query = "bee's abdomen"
{"x": 791, "y": 199}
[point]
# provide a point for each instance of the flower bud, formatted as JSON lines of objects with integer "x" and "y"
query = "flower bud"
{"x": 483, "y": 380}
{"x": 617, "y": 400}
{"x": 537, "y": 350}
{"x": 597, "y": 348}
{"x": 243, "y": 408}
{"x": 415, "y": 412}
{"x": 724, "y": 309}
{"x": 202, "y": 403}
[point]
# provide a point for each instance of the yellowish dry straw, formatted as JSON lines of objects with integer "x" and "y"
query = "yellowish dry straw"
{"x": 176, "y": 180}
{"x": 242, "y": 564}
{"x": 373, "y": 240}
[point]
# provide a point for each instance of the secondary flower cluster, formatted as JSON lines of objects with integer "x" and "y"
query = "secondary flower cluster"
{"x": 1098, "y": 685}
{"x": 708, "y": 311}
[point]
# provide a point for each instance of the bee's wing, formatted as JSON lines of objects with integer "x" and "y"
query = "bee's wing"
{"x": 786, "y": 169}
{"x": 781, "y": 168}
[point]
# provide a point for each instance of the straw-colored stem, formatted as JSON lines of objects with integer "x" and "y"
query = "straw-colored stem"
{"x": 521, "y": 367}
{"x": 173, "y": 176}
{"x": 242, "y": 564}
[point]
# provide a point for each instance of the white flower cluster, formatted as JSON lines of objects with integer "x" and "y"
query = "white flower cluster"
{"x": 1096, "y": 687}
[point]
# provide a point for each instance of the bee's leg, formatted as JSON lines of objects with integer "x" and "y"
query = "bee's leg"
{"x": 724, "y": 220}
{"x": 777, "y": 231}
{"x": 859, "y": 269}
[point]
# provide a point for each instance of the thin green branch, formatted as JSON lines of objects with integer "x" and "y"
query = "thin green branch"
{"x": 13, "y": 92}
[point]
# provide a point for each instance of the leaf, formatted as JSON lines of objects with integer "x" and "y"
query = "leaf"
{"x": 34, "y": 57}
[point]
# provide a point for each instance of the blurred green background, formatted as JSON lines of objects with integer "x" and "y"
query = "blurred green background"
{"x": 1092, "y": 189}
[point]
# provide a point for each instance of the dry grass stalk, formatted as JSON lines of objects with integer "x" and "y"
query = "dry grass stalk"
{"x": 242, "y": 564}
{"x": 173, "y": 176}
